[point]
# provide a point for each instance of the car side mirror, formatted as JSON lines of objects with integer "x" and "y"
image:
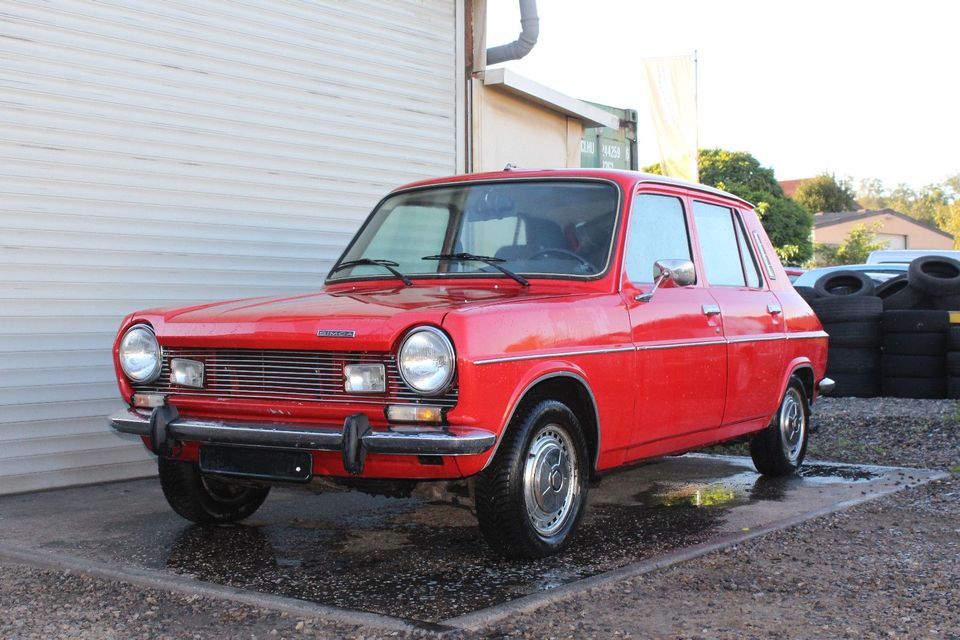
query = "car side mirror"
{"x": 681, "y": 273}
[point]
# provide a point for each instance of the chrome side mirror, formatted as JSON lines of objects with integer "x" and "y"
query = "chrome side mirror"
{"x": 681, "y": 273}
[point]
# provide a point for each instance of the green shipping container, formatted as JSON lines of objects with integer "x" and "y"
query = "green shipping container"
{"x": 607, "y": 148}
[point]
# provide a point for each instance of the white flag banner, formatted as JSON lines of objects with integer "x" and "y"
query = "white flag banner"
{"x": 672, "y": 85}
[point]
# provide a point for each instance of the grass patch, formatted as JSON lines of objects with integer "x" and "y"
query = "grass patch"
{"x": 954, "y": 469}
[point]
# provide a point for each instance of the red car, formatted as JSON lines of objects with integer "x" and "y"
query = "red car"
{"x": 526, "y": 329}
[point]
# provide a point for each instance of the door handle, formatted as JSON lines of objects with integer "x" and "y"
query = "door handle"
{"x": 711, "y": 310}
{"x": 773, "y": 308}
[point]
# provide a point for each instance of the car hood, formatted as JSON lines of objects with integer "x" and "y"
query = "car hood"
{"x": 346, "y": 319}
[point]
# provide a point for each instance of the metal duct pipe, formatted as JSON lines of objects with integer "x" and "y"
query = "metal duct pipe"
{"x": 529, "y": 31}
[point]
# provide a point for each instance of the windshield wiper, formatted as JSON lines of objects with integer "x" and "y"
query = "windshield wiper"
{"x": 386, "y": 264}
{"x": 490, "y": 260}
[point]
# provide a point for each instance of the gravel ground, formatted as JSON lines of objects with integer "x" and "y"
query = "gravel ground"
{"x": 884, "y": 569}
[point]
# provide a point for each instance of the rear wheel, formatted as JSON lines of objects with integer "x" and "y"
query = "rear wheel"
{"x": 205, "y": 499}
{"x": 779, "y": 449}
{"x": 532, "y": 496}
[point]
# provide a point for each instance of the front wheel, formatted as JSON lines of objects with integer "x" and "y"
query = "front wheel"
{"x": 531, "y": 497}
{"x": 204, "y": 499}
{"x": 779, "y": 449}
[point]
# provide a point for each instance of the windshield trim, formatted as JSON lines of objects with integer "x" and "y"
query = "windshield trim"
{"x": 331, "y": 279}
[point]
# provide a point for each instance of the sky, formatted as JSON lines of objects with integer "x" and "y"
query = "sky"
{"x": 855, "y": 88}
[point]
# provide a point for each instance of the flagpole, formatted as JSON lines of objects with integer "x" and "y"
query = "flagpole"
{"x": 696, "y": 96}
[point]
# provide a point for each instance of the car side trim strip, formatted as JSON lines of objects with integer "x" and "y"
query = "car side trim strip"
{"x": 805, "y": 335}
{"x": 562, "y": 354}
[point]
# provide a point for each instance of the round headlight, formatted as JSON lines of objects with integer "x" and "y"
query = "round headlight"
{"x": 427, "y": 361}
{"x": 140, "y": 354}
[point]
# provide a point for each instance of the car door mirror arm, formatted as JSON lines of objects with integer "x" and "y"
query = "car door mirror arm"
{"x": 681, "y": 273}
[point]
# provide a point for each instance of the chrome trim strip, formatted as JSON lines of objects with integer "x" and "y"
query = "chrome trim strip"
{"x": 757, "y": 338}
{"x": 805, "y": 335}
{"x": 411, "y": 440}
{"x": 679, "y": 345}
{"x": 651, "y": 347}
{"x": 562, "y": 354}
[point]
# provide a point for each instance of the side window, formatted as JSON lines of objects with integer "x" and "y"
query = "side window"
{"x": 718, "y": 244}
{"x": 657, "y": 231}
{"x": 750, "y": 267}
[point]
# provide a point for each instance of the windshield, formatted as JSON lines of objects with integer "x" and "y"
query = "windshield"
{"x": 535, "y": 228}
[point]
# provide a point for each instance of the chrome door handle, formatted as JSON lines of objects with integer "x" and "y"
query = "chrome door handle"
{"x": 773, "y": 308}
{"x": 711, "y": 310}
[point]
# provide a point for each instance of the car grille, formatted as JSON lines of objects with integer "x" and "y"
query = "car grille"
{"x": 309, "y": 376}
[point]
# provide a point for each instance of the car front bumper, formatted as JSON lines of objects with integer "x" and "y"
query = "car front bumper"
{"x": 418, "y": 440}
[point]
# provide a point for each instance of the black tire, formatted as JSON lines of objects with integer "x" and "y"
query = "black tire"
{"x": 953, "y": 388}
{"x": 844, "y": 284}
{"x": 899, "y": 366}
{"x": 915, "y": 344}
{"x": 856, "y": 385}
{"x": 922, "y": 320}
{"x": 947, "y": 303}
{"x": 935, "y": 275}
{"x": 779, "y": 449}
{"x": 894, "y": 285}
{"x": 853, "y": 361}
{"x": 807, "y": 293}
{"x": 854, "y": 335}
{"x": 847, "y": 309}
{"x": 502, "y": 496}
{"x": 929, "y": 388}
{"x": 204, "y": 499}
{"x": 907, "y": 298}
{"x": 953, "y": 339}
{"x": 953, "y": 364}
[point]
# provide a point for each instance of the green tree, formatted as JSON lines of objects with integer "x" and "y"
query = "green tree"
{"x": 825, "y": 193}
{"x": 854, "y": 249}
{"x": 787, "y": 223}
{"x": 935, "y": 204}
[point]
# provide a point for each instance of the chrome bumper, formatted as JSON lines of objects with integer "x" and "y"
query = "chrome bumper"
{"x": 399, "y": 440}
{"x": 826, "y": 386}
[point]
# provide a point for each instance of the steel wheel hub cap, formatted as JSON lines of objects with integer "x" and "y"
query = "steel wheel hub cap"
{"x": 550, "y": 480}
{"x": 793, "y": 424}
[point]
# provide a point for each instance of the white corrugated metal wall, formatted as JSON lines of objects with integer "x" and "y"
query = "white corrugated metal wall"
{"x": 163, "y": 152}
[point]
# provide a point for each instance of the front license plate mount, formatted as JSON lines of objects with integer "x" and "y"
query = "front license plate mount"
{"x": 284, "y": 465}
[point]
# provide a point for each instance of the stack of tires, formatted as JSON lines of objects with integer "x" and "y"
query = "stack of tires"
{"x": 909, "y": 316}
{"x": 953, "y": 362}
{"x": 931, "y": 282}
{"x": 915, "y": 353}
{"x": 850, "y": 313}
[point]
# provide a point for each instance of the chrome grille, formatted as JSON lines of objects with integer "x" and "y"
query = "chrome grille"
{"x": 309, "y": 376}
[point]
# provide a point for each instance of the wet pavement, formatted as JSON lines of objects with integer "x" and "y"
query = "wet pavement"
{"x": 422, "y": 558}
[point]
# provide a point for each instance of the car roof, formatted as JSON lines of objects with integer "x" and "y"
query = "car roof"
{"x": 616, "y": 175}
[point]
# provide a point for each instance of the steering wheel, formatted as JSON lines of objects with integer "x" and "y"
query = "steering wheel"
{"x": 563, "y": 253}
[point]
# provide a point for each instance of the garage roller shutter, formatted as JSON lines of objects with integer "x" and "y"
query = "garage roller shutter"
{"x": 157, "y": 153}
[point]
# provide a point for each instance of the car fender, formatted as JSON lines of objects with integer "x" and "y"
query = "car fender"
{"x": 531, "y": 378}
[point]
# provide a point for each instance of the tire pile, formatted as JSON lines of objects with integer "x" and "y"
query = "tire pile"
{"x": 893, "y": 339}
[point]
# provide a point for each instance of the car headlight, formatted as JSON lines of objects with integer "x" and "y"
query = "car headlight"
{"x": 426, "y": 361}
{"x": 140, "y": 354}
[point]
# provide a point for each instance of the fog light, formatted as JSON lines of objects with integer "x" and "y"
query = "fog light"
{"x": 364, "y": 378}
{"x": 414, "y": 413}
{"x": 149, "y": 400}
{"x": 186, "y": 373}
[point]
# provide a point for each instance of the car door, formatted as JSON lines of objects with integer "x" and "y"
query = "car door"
{"x": 680, "y": 350}
{"x": 752, "y": 317}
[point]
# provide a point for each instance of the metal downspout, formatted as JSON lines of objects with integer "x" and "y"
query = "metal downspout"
{"x": 530, "y": 31}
